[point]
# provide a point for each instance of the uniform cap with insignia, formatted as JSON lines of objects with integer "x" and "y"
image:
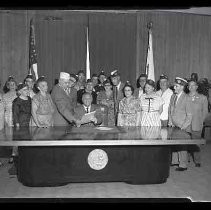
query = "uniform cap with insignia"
{"x": 74, "y": 76}
{"x": 163, "y": 76}
{"x": 21, "y": 86}
{"x": 102, "y": 73}
{"x": 115, "y": 73}
{"x": 180, "y": 81}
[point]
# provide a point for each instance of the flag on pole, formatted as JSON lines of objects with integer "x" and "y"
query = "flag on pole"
{"x": 150, "y": 62}
{"x": 32, "y": 52}
{"x": 87, "y": 55}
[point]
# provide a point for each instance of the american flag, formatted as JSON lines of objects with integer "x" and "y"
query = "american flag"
{"x": 150, "y": 61}
{"x": 32, "y": 52}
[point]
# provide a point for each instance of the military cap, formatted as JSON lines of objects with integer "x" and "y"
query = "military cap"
{"x": 163, "y": 76}
{"x": 115, "y": 73}
{"x": 21, "y": 86}
{"x": 180, "y": 81}
{"x": 74, "y": 76}
{"x": 102, "y": 73}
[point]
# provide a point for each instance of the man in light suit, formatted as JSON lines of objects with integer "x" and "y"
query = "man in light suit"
{"x": 118, "y": 86}
{"x": 65, "y": 104}
{"x": 87, "y": 107}
{"x": 180, "y": 116}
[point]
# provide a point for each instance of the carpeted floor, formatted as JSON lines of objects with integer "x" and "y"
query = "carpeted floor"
{"x": 195, "y": 183}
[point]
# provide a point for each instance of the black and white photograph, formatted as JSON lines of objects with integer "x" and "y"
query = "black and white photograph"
{"x": 105, "y": 103}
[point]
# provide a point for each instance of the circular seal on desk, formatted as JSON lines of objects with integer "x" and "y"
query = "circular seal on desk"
{"x": 97, "y": 159}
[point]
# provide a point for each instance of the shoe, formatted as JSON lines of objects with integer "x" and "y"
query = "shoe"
{"x": 11, "y": 160}
{"x": 12, "y": 170}
{"x": 181, "y": 169}
{"x": 176, "y": 164}
{"x": 198, "y": 164}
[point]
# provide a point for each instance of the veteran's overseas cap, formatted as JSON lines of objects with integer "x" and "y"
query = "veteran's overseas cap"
{"x": 115, "y": 73}
{"x": 163, "y": 76}
{"x": 64, "y": 75}
{"x": 102, "y": 73}
{"x": 21, "y": 86}
{"x": 180, "y": 81}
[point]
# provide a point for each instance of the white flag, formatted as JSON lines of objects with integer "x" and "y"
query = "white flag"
{"x": 150, "y": 62}
{"x": 87, "y": 55}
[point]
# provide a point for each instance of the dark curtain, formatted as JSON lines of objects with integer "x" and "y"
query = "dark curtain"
{"x": 13, "y": 45}
{"x": 112, "y": 39}
{"x": 61, "y": 46}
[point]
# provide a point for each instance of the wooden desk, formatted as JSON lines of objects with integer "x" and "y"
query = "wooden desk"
{"x": 61, "y": 155}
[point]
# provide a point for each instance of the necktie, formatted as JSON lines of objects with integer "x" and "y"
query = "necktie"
{"x": 87, "y": 110}
{"x": 149, "y": 103}
{"x": 115, "y": 93}
{"x": 175, "y": 100}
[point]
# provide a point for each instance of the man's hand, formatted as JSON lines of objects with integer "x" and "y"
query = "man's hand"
{"x": 78, "y": 123}
{"x": 170, "y": 124}
{"x": 94, "y": 120}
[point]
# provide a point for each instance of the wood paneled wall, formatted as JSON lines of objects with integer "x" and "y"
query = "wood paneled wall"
{"x": 181, "y": 42}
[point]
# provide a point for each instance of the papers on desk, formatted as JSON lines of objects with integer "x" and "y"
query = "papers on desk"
{"x": 88, "y": 117}
{"x": 104, "y": 128}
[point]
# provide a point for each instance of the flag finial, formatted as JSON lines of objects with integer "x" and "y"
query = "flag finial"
{"x": 149, "y": 25}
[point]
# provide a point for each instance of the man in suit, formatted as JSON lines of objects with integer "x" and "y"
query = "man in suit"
{"x": 165, "y": 93}
{"x": 65, "y": 104}
{"x": 87, "y": 107}
{"x": 101, "y": 77}
{"x": 180, "y": 117}
{"x": 89, "y": 88}
{"x": 117, "y": 89}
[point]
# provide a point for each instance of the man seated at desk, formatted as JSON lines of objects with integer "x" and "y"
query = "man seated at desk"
{"x": 89, "y": 114}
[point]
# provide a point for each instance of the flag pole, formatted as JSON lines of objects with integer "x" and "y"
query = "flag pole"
{"x": 87, "y": 55}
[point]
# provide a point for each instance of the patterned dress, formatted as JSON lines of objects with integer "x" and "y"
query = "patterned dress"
{"x": 45, "y": 109}
{"x": 8, "y": 99}
{"x": 103, "y": 99}
{"x": 128, "y": 111}
{"x": 150, "y": 106}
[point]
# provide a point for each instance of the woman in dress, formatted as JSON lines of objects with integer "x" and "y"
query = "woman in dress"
{"x": 8, "y": 97}
{"x": 151, "y": 106}
{"x": 199, "y": 111}
{"x": 129, "y": 108}
{"x": 42, "y": 106}
{"x": 106, "y": 98}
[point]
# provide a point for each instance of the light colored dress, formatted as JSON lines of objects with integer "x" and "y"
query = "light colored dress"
{"x": 128, "y": 111}
{"x": 8, "y": 99}
{"x": 150, "y": 106}
{"x": 45, "y": 110}
{"x": 103, "y": 99}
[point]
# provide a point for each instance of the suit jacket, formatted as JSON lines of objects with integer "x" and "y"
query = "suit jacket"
{"x": 65, "y": 105}
{"x": 80, "y": 111}
{"x": 180, "y": 114}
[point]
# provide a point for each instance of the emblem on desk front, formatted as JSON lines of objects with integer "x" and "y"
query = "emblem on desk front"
{"x": 97, "y": 159}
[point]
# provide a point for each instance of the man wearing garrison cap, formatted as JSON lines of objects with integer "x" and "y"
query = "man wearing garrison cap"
{"x": 117, "y": 89}
{"x": 165, "y": 92}
{"x": 180, "y": 116}
{"x": 65, "y": 104}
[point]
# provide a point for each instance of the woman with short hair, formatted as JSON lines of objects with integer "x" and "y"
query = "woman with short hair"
{"x": 151, "y": 106}
{"x": 129, "y": 108}
{"x": 42, "y": 106}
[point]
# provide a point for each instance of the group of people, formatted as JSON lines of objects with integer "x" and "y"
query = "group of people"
{"x": 112, "y": 101}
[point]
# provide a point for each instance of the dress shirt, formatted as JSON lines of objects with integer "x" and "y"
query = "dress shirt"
{"x": 166, "y": 96}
